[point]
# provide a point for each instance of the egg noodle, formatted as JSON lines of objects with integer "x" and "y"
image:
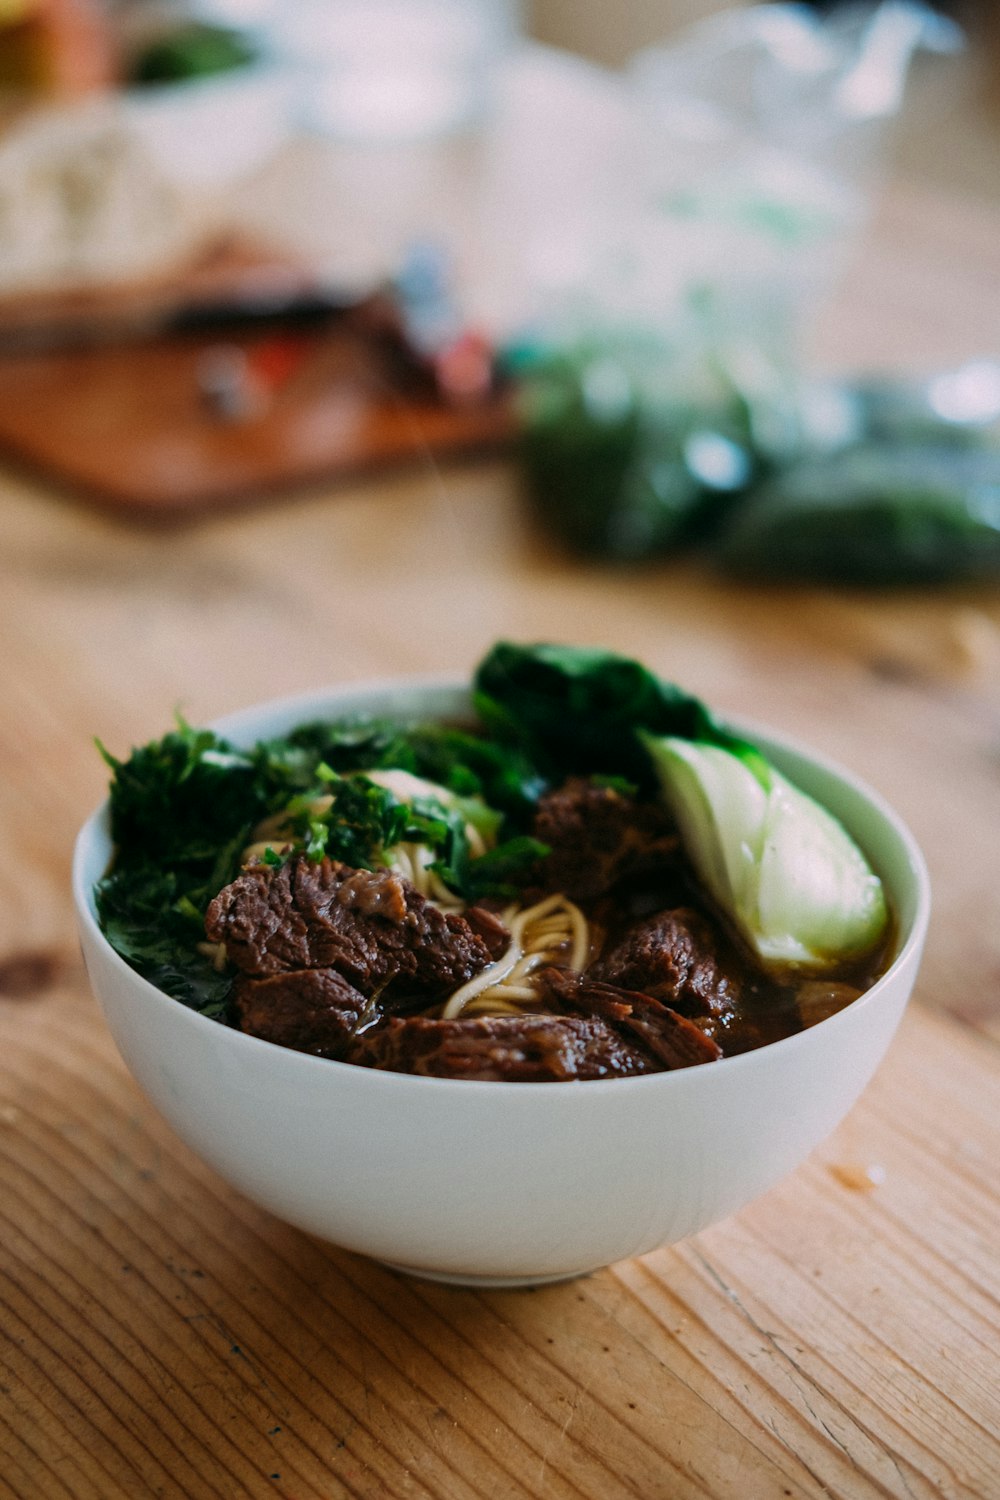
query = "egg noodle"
{"x": 413, "y": 862}
{"x": 552, "y": 931}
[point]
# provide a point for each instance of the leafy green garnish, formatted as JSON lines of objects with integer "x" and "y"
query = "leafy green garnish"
{"x": 156, "y": 925}
{"x": 574, "y": 709}
{"x": 180, "y": 797}
{"x": 505, "y": 870}
{"x": 454, "y": 757}
{"x": 184, "y": 808}
{"x": 181, "y": 811}
{"x": 364, "y": 821}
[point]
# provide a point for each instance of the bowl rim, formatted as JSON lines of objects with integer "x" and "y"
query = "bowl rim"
{"x": 97, "y": 826}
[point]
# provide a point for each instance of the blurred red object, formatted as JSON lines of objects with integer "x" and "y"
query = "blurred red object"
{"x": 464, "y": 370}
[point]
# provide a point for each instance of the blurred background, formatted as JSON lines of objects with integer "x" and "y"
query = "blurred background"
{"x": 248, "y": 245}
{"x": 951, "y": 126}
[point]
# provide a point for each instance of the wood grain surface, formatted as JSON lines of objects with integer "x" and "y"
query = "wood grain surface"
{"x": 161, "y": 1336}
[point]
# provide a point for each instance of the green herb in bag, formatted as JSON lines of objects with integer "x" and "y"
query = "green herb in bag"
{"x": 873, "y": 515}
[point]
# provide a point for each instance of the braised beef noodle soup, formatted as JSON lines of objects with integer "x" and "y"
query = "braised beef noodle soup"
{"x": 590, "y": 878}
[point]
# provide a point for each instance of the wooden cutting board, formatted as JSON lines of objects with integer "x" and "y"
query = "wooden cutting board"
{"x": 128, "y": 425}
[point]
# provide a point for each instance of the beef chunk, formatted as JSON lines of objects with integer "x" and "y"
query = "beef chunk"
{"x": 514, "y": 1049}
{"x": 598, "y": 836}
{"x": 607, "y": 1033}
{"x": 310, "y": 1010}
{"x": 369, "y": 925}
{"x": 674, "y": 957}
{"x": 489, "y": 926}
{"x": 668, "y": 1039}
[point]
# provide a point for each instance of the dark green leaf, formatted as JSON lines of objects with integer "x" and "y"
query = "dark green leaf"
{"x": 505, "y": 870}
{"x": 581, "y": 710}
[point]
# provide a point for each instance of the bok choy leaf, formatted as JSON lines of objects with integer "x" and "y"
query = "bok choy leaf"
{"x": 783, "y": 868}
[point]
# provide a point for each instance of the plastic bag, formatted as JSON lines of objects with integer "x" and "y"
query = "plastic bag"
{"x": 753, "y": 145}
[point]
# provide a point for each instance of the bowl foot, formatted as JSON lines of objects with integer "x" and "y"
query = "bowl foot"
{"x": 497, "y": 1283}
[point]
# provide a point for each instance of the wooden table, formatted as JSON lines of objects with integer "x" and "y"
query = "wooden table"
{"x": 160, "y": 1336}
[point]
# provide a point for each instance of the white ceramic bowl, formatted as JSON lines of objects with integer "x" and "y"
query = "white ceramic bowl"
{"x": 503, "y": 1183}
